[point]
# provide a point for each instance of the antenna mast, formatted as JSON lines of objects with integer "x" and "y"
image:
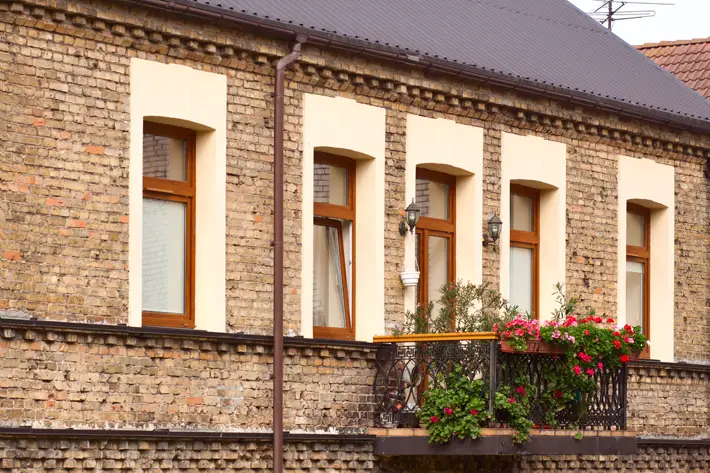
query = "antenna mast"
{"x": 612, "y": 10}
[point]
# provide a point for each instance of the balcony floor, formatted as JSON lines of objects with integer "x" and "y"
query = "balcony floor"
{"x": 393, "y": 442}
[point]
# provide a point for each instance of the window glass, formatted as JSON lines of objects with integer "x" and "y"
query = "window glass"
{"x": 331, "y": 281}
{"x": 521, "y": 283}
{"x": 330, "y": 184}
{"x": 635, "y": 229}
{"x": 164, "y": 256}
{"x": 521, "y": 211}
{"x": 438, "y": 267}
{"x": 635, "y": 293}
{"x": 164, "y": 158}
{"x": 433, "y": 199}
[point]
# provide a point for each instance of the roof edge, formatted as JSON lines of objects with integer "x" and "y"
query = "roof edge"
{"x": 358, "y": 46}
{"x": 680, "y": 42}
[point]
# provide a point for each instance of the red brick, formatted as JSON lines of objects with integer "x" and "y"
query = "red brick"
{"x": 73, "y": 223}
{"x": 39, "y": 122}
{"x": 193, "y": 401}
{"x": 123, "y": 219}
{"x": 52, "y": 201}
{"x": 86, "y": 196}
{"x": 91, "y": 149}
{"x": 12, "y": 255}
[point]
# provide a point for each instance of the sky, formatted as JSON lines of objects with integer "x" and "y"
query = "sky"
{"x": 687, "y": 19}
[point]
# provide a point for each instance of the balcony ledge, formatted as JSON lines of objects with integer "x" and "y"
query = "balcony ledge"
{"x": 409, "y": 442}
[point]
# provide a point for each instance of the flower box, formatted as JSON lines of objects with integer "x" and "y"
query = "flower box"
{"x": 534, "y": 346}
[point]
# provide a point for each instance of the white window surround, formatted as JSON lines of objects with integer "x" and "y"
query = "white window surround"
{"x": 344, "y": 127}
{"x": 443, "y": 145}
{"x": 181, "y": 96}
{"x": 656, "y": 191}
{"x": 541, "y": 164}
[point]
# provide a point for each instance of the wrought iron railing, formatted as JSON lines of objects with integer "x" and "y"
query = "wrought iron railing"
{"x": 406, "y": 370}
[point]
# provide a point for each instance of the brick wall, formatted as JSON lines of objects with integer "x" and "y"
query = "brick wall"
{"x": 92, "y": 380}
{"x": 648, "y": 459}
{"x": 669, "y": 402}
{"x": 110, "y": 456}
{"x": 64, "y": 174}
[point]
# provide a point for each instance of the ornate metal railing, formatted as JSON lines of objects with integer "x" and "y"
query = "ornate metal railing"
{"x": 407, "y": 369}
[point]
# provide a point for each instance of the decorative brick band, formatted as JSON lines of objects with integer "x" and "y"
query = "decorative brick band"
{"x": 87, "y": 24}
{"x": 211, "y": 436}
{"x": 50, "y": 329}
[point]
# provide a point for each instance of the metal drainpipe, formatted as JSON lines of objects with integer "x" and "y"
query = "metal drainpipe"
{"x": 278, "y": 245}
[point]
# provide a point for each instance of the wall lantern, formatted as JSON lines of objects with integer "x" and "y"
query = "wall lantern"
{"x": 495, "y": 225}
{"x": 410, "y": 219}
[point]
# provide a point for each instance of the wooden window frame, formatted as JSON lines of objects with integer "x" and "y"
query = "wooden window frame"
{"x": 642, "y": 254}
{"x": 323, "y": 214}
{"x": 176, "y": 191}
{"x": 436, "y": 227}
{"x": 529, "y": 240}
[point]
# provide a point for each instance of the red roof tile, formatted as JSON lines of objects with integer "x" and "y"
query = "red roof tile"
{"x": 688, "y": 59}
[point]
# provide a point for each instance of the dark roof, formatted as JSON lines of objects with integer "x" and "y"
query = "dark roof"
{"x": 688, "y": 60}
{"x": 549, "y": 44}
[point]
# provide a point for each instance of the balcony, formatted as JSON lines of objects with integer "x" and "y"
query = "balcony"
{"x": 410, "y": 366}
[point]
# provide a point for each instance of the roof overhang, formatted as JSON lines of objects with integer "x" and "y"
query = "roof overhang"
{"x": 402, "y": 57}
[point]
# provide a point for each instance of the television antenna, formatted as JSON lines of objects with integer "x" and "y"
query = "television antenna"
{"x": 612, "y": 10}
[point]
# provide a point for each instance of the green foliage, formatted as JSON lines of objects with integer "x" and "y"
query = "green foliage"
{"x": 463, "y": 307}
{"x": 565, "y": 305}
{"x": 516, "y": 406}
{"x": 456, "y": 410}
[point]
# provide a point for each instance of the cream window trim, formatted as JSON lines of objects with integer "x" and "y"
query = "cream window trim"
{"x": 344, "y": 127}
{"x": 656, "y": 191}
{"x": 181, "y": 96}
{"x": 537, "y": 163}
{"x": 456, "y": 149}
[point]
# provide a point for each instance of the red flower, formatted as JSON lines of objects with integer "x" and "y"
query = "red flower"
{"x": 629, "y": 328}
{"x": 590, "y": 371}
{"x": 433, "y": 419}
{"x": 558, "y": 394}
{"x": 598, "y": 320}
{"x": 474, "y": 412}
{"x": 577, "y": 369}
{"x": 521, "y": 390}
{"x": 624, "y": 358}
{"x": 587, "y": 333}
{"x": 511, "y": 400}
{"x": 600, "y": 365}
{"x": 616, "y": 334}
{"x": 448, "y": 411}
{"x": 610, "y": 320}
{"x": 617, "y": 344}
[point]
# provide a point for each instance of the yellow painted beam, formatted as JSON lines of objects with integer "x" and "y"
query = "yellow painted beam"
{"x": 435, "y": 337}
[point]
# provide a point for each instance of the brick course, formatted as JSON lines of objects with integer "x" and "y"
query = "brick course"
{"x": 80, "y": 456}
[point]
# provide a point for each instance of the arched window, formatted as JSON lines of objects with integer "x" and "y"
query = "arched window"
{"x": 524, "y": 248}
{"x": 638, "y": 266}
{"x": 168, "y": 270}
{"x": 333, "y": 248}
{"x": 435, "y": 232}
